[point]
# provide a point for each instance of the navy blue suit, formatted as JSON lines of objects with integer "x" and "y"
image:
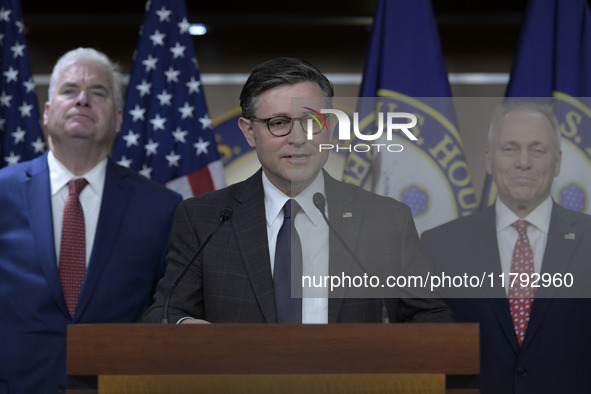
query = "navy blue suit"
{"x": 126, "y": 262}
{"x": 556, "y": 353}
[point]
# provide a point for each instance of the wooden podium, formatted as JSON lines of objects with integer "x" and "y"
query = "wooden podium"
{"x": 273, "y": 358}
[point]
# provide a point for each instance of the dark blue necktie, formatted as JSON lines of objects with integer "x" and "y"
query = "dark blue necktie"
{"x": 288, "y": 253}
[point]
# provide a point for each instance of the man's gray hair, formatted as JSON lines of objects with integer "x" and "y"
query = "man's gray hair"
{"x": 528, "y": 106}
{"x": 93, "y": 56}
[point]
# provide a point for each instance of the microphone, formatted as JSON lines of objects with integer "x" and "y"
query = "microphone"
{"x": 320, "y": 203}
{"x": 225, "y": 215}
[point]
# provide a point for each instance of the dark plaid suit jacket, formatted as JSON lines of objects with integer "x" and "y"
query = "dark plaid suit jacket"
{"x": 231, "y": 282}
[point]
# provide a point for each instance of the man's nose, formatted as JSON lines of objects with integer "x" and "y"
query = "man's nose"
{"x": 523, "y": 159}
{"x": 298, "y": 135}
{"x": 82, "y": 98}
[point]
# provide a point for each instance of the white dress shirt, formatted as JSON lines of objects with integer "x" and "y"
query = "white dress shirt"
{"x": 90, "y": 199}
{"x": 314, "y": 234}
{"x": 507, "y": 235}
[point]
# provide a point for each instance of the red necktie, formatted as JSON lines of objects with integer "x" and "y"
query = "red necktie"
{"x": 521, "y": 298}
{"x": 72, "y": 265}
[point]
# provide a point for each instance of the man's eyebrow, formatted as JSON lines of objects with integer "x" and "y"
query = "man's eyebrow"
{"x": 99, "y": 86}
{"x": 529, "y": 145}
{"x": 534, "y": 143}
{"x": 76, "y": 84}
{"x": 69, "y": 85}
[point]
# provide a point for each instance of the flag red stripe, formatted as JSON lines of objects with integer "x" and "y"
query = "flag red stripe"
{"x": 201, "y": 181}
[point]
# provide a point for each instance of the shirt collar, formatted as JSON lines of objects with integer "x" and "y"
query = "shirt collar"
{"x": 539, "y": 217}
{"x": 275, "y": 199}
{"x": 59, "y": 175}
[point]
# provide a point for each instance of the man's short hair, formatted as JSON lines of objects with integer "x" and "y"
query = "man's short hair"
{"x": 93, "y": 56}
{"x": 277, "y": 72}
{"x": 528, "y": 106}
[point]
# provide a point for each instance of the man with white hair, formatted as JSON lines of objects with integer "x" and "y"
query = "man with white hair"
{"x": 82, "y": 239}
{"x": 534, "y": 324}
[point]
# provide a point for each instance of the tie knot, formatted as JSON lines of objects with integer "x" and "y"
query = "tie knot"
{"x": 521, "y": 226}
{"x": 76, "y": 186}
{"x": 291, "y": 209}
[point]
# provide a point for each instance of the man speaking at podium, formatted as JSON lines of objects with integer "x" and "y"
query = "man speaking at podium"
{"x": 244, "y": 274}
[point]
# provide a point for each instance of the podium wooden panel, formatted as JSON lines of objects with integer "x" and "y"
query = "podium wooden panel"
{"x": 403, "y": 358}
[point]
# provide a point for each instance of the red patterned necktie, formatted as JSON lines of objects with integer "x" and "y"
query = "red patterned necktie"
{"x": 521, "y": 298}
{"x": 72, "y": 266}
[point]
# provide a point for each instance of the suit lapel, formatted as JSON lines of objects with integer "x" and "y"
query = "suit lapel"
{"x": 557, "y": 258}
{"x": 37, "y": 193}
{"x": 250, "y": 228}
{"x": 115, "y": 199}
{"x": 559, "y": 247}
{"x": 346, "y": 218}
{"x": 483, "y": 243}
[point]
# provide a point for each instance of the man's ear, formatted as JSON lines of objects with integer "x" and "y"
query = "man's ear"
{"x": 246, "y": 127}
{"x": 332, "y": 124}
{"x": 119, "y": 117}
{"x": 46, "y": 112}
{"x": 558, "y": 163}
{"x": 488, "y": 161}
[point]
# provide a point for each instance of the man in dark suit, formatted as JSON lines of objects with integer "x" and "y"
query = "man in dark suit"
{"x": 232, "y": 281}
{"x": 533, "y": 339}
{"x": 120, "y": 245}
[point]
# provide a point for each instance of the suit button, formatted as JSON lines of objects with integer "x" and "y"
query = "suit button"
{"x": 521, "y": 371}
{"x": 61, "y": 388}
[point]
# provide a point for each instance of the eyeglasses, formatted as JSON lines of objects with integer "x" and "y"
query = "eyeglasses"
{"x": 280, "y": 126}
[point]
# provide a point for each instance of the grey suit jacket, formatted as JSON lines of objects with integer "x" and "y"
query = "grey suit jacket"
{"x": 231, "y": 282}
{"x": 554, "y": 357}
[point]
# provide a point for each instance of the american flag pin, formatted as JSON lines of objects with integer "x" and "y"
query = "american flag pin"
{"x": 347, "y": 215}
{"x": 569, "y": 236}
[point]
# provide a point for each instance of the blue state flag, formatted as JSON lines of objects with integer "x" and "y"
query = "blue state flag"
{"x": 553, "y": 61}
{"x": 239, "y": 159}
{"x": 167, "y": 134}
{"x": 405, "y": 73}
{"x": 21, "y": 136}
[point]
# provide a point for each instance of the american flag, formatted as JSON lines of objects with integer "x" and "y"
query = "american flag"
{"x": 167, "y": 134}
{"x": 21, "y": 136}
